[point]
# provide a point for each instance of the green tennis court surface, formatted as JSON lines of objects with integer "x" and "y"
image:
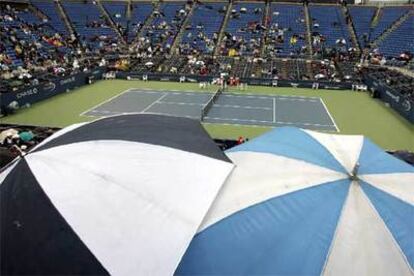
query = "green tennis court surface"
{"x": 351, "y": 112}
{"x": 227, "y": 108}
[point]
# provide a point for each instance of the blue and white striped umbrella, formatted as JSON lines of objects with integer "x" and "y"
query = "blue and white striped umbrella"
{"x": 306, "y": 203}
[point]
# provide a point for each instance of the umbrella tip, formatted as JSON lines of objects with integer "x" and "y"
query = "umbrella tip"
{"x": 354, "y": 174}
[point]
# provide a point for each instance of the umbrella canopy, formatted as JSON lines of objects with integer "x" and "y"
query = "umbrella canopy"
{"x": 305, "y": 203}
{"x": 123, "y": 195}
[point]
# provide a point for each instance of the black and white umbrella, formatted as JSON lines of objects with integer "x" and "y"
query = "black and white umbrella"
{"x": 110, "y": 196}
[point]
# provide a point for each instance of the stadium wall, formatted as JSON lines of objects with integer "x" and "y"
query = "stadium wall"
{"x": 30, "y": 95}
{"x": 249, "y": 81}
{"x": 399, "y": 102}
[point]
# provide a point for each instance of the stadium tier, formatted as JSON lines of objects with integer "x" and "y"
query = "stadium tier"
{"x": 201, "y": 35}
{"x": 117, "y": 12}
{"x": 244, "y": 31}
{"x": 260, "y": 40}
{"x": 140, "y": 12}
{"x": 89, "y": 23}
{"x": 206, "y": 137}
{"x": 50, "y": 10}
{"x": 287, "y": 31}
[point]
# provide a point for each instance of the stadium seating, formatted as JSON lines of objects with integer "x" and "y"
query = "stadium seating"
{"x": 164, "y": 27}
{"x": 244, "y": 28}
{"x": 50, "y": 10}
{"x": 290, "y": 19}
{"x": 387, "y": 16}
{"x": 28, "y": 29}
{"x": 370, "y": 24}
{"x": 396, "y": 80}
{"x": 117, "y": 12}
{"x": 329, "y": 21}
{"x": 362, "y": 18}
{"x": 400, "y": 40}
{"x": 88, "y": 23}
{"x": 199, "y": 34}
{"x": 140, "y": 12}
{"x": 257, "y": 39}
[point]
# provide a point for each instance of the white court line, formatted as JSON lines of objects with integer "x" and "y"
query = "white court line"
{"x": 104, "y": 102}
{"x": 172, "y": 90}
{"x": 271, "y": 95}
{"x": 243, "y": 96}
{"x": 242, "y": 106}
{"x": 260, "y": 121}
{"x": 258, "y": 126}
{"x": 297, "y": 100}
{"x": 180, "y": 103}
{"x": 147, "y": 91}
{"x": 103, "y": 113}
{"x": 274, "y": 110}
{"x": 111, "y": 113}
{"x": 238, "y": 125}
{"x": 237, "y": 120}
{"x": 305, "y": 124}
{"x": 330, "y": 116}
{"x": 154, "y": 102}
{"x": 173, "y": 115}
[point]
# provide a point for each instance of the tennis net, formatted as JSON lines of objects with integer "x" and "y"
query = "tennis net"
{"x": 206, "y": 108}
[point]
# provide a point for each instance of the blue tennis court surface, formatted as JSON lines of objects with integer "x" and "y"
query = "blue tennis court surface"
{"x": 230, "y": 108}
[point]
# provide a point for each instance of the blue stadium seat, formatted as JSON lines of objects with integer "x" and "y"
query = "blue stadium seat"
{"x": 332, "y": 24}
{"x": 81, "y": 15}
{"x": 290, "y": 18}
{"x": 209, "y": 20}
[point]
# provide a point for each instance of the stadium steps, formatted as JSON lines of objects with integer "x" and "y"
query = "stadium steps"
{"x": 402, "y": 70}
{"x": 308, "y": 30}
{"x": 393, "y": 27}
{"x": 129, "y": 10}
{"x": 284, "y": 70}
{"x": 339, "y": 70}
{"x": 351, "y": 30}
{"x": 147, "y": 23}
{"x": 376, "y": 18}
{"x": 222, "y": 28}
{"x": 109, "y": 19}
{"x": 65, "y": 18}
{"x": 248, "y": 68}
{"x": 237, "y": 67}
{"x": 37, "y": 12}
{"x": 180, "y": 34}
{"x": 176, "y": 61}
{"x": 266, "y": 21}
{"x": 309, "y": 68}
{"x": 256, "y": 69}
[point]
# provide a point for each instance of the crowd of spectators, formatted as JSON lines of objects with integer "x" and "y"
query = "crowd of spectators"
{"x": 243, "y": 34}
{"x": 286, "y": 35}
{"x": 200, "y": 35}
{"x": 396, "y": 80}
{"x": 158, "y": 36}
{"x": 32, "y": 51}
{"x": 18, "y": 140}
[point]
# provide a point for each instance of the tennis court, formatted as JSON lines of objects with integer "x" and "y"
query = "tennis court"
{"x": 228, "y": 108}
